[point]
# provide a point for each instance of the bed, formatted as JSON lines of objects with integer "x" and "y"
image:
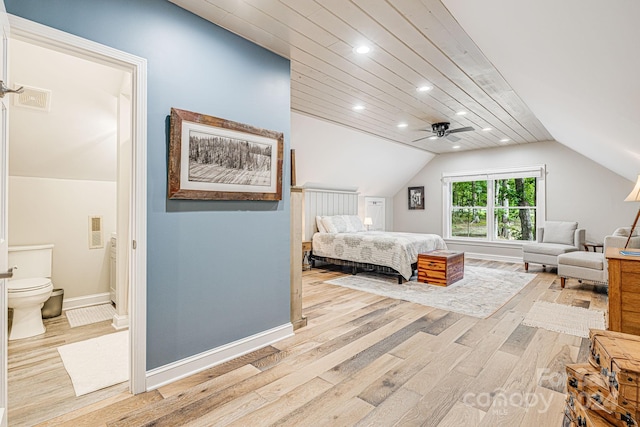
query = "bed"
{"x": 343, "y": 240}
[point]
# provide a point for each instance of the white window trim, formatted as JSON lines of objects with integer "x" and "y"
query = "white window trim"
{"x": 536, "y": 171}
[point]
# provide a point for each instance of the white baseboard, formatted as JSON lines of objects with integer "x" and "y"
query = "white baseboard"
{"x": 86, "y": 301}
{"x": 191, "y": 365}
{"x": 120, "y": 322}
{"x": 491, "y": 257}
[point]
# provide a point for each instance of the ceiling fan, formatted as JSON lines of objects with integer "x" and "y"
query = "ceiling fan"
{"x": 441, "y": 130}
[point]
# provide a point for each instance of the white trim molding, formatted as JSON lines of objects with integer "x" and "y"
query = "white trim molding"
{"x": 51, "y": 38}
{"x": 86, "y": 301}
{"x": 493, "y": 257}
{"x": 191, "y": 365}
{"x": 120, "y": 322}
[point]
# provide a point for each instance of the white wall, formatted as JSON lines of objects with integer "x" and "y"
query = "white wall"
{"x": 331, "y": 156}
{"x": 578, "y": 189}
{"x": 43, "y": 210}
{"x": 335, "y": 157}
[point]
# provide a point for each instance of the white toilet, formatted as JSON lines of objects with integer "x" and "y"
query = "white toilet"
{"x": 29, "y": 288}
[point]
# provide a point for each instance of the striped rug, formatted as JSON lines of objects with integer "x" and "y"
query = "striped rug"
{"x": 565, "y": 319}
{"x": 87, "y": 315}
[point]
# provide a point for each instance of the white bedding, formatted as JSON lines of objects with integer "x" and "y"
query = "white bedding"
{"x": 389, "y": 249}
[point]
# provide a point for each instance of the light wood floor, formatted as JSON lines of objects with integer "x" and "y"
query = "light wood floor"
{"x": 39, "y": 386}
{"x": 363, "y": 359}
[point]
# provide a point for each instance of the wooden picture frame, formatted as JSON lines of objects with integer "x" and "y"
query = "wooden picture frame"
{"x": 416, "y": 198}
{"x": 216, "y": 159}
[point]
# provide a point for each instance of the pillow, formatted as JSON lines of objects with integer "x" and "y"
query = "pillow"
{"x": 559, "y": 232}
{"x": 320, "y": 225}
{"x": 624, "y": 232}
{"x": 334, "y": 224}
{"x": 356, "y": 223}
{"x": 338, "y": 224}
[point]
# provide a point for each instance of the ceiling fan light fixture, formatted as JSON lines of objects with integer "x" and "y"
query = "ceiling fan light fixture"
{"x": 433, "y": 137}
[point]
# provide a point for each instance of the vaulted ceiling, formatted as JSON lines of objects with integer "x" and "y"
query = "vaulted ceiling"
{"x": 413, "y": 45}
{"x": 525, "y": 71}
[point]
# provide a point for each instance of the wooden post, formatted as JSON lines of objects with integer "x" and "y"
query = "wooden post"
{"x": 297, "y": 206}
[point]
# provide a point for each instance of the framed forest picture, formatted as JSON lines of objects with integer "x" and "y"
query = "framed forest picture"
{"x": 216, "y": 159}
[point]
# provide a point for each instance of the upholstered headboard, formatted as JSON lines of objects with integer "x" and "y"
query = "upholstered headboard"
{"x": 326, "y": 202}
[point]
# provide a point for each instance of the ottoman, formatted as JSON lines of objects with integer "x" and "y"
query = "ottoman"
{"x": 582, "y": 266}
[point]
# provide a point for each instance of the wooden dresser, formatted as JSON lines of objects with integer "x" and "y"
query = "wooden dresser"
{"x": 624, "y": 292}
{"x": 440, "y": 267}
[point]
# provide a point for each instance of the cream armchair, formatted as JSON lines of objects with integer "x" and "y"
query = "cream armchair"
{"x": 592, "y": 266}
{"x": 555, "y": 238}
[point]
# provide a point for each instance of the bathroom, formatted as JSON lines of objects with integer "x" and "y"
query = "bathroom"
{"x": 69, "y": 138}
{"x": 63, "y": 166}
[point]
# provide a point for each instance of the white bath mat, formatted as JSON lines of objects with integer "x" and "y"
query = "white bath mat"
{"x": 87, "y": 315}
{"x": 565, "y": 319}
{"x": 97, "y": 362}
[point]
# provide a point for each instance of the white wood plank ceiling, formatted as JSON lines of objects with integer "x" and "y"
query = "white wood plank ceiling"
{"x": 413, "y": 44}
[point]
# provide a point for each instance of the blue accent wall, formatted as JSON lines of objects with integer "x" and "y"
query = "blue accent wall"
{"x": 217, "y": 272}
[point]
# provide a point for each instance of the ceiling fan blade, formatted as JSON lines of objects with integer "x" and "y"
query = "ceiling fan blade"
{"x": 466, "y": 129}
{"x": 420, "y": 139}
{"x": 452, "y": 138}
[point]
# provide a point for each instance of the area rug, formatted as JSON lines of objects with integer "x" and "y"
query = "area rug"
{"x": 97, "y": 362}
{"x": 565, "y": 319}
{"x": 480, "y": 294}
{"x": 87, "y": 315}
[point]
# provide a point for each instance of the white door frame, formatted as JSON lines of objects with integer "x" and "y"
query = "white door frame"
{"x": 51, "y": 38}
{"x": 4, "y": 182}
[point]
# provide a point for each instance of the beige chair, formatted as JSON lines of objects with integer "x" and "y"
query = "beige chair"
{"x": 555, "y": 238}
{"x": 592, "y": 266}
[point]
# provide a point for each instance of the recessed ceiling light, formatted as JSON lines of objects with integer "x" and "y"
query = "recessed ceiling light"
{"x": 504, "y": 140}
{"x": 461, "y": 113}
{"x": 455, "y": 147}
{"x": 362, "y": 49}
{"x": 486, "y": 129}
{"x": 433, "y": 137}
{"x": 402, "y": 125}
{"x": 358, "y": 107}
{"x": 424, "y": 88}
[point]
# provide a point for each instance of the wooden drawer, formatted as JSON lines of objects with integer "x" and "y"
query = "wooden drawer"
{"x": 440, "y": 267}
{"x": 432, "y": 265}
{"x": 630, "y": 282}
{"x": 624, "y": 292}
{"x": 632, "y": 267}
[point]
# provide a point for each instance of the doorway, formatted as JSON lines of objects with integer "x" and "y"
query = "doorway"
{"x": 135, "y": 238}
{"x": 374, "y": 208}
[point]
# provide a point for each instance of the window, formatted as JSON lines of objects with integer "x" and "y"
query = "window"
{"x": 500, "y": 205}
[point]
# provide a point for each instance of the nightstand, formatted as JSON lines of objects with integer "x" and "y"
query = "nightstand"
{"x": 306, "y": 250}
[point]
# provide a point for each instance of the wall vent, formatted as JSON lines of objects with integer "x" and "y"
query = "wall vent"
{"x": 96, "y": 239}
{"x": 33, "y": 98}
